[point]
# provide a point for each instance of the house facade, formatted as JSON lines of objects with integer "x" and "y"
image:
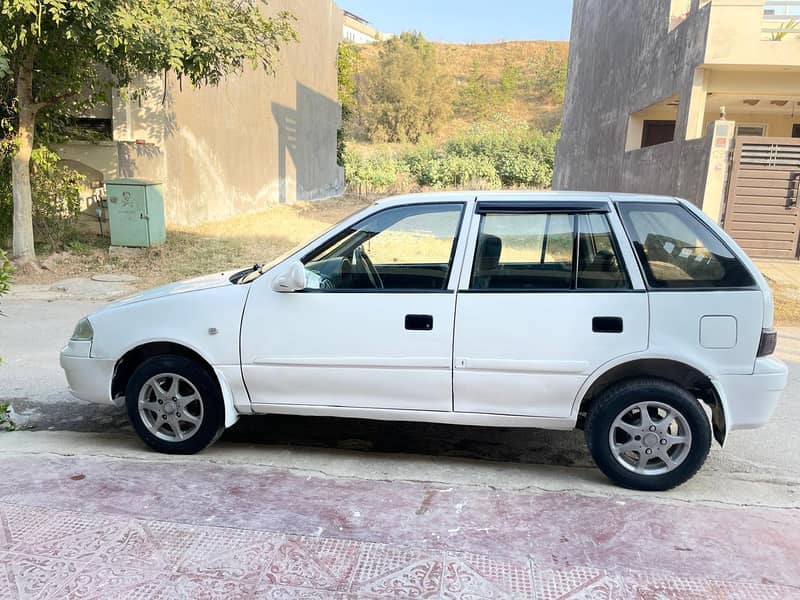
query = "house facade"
{"x": 255, "y": 139}
{"x": 692, "y": 98}
{"x": 358, "y": 30}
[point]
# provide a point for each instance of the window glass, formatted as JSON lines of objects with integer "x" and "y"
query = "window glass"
{"x": 679, "y": 251}
{"x": 408, "y": 247}
{"x": 524, "y": 251}
{"x": 599, "y": 265}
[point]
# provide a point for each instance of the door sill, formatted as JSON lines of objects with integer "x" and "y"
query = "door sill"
{"x": 421, "y": 416}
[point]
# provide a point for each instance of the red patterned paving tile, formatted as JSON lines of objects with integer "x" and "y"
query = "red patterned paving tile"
{"x": 213, "y": 588}
{"x": 234, "y": 554}
{"x": 474, "y": 576}
{"x": 34, "y": 577}
{"x": 321, "y": 563}
{"x": 280, "y": 592}
{"x": 393, "y": 572}
{"x": 110, "y": 581}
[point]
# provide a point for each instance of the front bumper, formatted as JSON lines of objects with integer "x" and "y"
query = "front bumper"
{"x": 750, "y": 400}
{"x": 88, "y": 378}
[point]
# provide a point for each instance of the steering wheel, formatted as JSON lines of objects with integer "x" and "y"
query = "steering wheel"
{"x": 363, "y": 262}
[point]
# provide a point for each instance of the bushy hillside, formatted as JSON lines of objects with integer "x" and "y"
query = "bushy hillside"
{"x": 423, "y": 115}
{"x": 521, "y": 82}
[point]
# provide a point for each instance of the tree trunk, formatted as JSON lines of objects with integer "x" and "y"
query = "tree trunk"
{"x": 23, "y": 250}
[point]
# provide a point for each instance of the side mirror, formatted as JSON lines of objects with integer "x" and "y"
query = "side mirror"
{"x": 292, "y": 280}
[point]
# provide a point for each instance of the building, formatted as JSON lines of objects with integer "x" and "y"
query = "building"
{"x": 254, "y": 140}
{"x": 693, "y": 98}
{"x": 359, "y": 31}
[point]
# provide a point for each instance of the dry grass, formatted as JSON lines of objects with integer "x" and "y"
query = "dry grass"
{"x": 787, "y": 304}
{"x": 236, "y": 242}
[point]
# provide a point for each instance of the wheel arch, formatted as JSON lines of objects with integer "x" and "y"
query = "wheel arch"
{"x": 130, "y": 360}
{"x": 687, "y": 376}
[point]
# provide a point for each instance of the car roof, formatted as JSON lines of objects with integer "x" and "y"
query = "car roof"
{"x": 522, "y": 196}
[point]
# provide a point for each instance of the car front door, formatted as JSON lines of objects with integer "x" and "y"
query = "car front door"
{"x": 373, "y": 327}
{"x": 546, "y": 300}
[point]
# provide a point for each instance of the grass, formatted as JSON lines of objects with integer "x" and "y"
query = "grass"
{"x": 787, "y": 304}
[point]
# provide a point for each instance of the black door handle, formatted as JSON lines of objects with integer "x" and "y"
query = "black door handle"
{"x": 419, "y": 322}
{"x": 607, "y": 324}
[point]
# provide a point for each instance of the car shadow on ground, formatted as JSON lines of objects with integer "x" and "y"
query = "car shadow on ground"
{"x": 500, "y": 444}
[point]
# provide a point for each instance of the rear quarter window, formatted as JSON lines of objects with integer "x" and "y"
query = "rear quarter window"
{"x": 678, "y": 251}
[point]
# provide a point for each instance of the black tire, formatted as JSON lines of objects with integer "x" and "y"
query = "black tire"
{"x": 614, "y": 400}
{"x": 212, "y": 423}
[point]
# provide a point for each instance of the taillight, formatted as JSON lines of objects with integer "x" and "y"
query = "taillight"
{"x": 769, "y": 339}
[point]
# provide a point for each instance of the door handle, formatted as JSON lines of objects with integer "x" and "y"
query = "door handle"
{"x": 419, "y": 322}
{"x": 607, "y": 325}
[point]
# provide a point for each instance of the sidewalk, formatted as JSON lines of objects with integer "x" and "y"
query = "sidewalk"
{"x": 94, "y": 527}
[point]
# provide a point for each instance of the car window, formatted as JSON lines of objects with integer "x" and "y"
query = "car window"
{"x": 537, "y": 251}
{"x": 407, "y": 247}
{"x": 524, "y": 251}
{"x": 599, "y": 266}
{"x": 678, "y": 251}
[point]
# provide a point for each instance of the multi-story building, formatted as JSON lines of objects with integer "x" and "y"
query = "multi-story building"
{"x": 692, "y": 98}
{"x": 254, "y": 140}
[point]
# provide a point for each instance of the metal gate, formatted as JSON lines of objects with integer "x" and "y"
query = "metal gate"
{"x": 761, "y": 212}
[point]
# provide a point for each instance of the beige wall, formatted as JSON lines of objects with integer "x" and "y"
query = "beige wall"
{"x": 735, "y": 38}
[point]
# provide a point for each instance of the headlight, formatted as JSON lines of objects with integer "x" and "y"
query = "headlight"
{"x": 83, "y": 331}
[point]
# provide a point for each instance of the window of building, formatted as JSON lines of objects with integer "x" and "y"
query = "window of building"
{"x": 678, "y": 251}
{"x": 657, "y": 132}
{"x": 758, "y": 130}
{"x": 91, "y": 128}
{"x": 517, "y": 252}
{"x": 653, "y": 125}
{"x": 796, "y": 130}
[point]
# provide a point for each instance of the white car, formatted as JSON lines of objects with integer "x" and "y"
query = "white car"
{"x": 633, "y": 317}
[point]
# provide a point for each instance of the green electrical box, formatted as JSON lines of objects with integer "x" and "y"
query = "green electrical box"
{"x": 135, "y": 212}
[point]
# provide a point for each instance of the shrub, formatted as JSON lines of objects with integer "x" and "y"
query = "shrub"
{"x": 482, "y": 158}
{"x": 56, "y": 199}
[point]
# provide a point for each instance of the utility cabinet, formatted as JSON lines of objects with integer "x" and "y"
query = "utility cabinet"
{"x": 135, "y": 212}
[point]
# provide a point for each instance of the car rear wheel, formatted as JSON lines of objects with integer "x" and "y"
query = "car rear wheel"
{"x": 648, "y": 434}
{"x": 174, "y": 405}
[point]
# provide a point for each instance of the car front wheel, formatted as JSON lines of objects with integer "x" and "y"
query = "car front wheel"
{"x": 174, "y": 405}
{"x": 648, "y": 434}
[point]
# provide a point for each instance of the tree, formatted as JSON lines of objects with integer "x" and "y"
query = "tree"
{"x": 62, "y": 55}
{"x": 402, "y": 96}
{"x": 346, "y": 66}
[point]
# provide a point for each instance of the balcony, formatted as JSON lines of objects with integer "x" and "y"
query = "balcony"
{"x": 781, "y": 21}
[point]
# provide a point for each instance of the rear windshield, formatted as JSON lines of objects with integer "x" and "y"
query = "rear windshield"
{"x": 677, "y": 250}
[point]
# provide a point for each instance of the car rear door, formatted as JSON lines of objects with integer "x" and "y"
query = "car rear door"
{"x": 547, "y": 295}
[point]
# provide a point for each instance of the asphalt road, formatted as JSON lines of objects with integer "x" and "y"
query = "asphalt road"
{"x": 759, "y": 467}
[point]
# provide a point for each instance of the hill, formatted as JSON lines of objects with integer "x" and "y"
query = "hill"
{"x": 521, "y": 81}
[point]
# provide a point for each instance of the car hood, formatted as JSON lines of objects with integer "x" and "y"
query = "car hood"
{"x": 204, "y": 282}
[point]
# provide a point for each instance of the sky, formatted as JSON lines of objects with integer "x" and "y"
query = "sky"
{"x": 468, "y": 20}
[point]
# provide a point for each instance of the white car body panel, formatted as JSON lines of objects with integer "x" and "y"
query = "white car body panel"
{"x": 495, "y": 359}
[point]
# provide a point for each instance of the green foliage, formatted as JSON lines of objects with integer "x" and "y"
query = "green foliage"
{"x": 512, "y": 157}
{"x": 346, "y": 66}
{"x": 401, "y": 96}
{"x": 56, "y": 199}
{"x": 549, "y": 82}
{"x": 482, "y": 97}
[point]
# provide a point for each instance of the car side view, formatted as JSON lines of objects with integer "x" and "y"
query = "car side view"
{"x": 635, "y": 318}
